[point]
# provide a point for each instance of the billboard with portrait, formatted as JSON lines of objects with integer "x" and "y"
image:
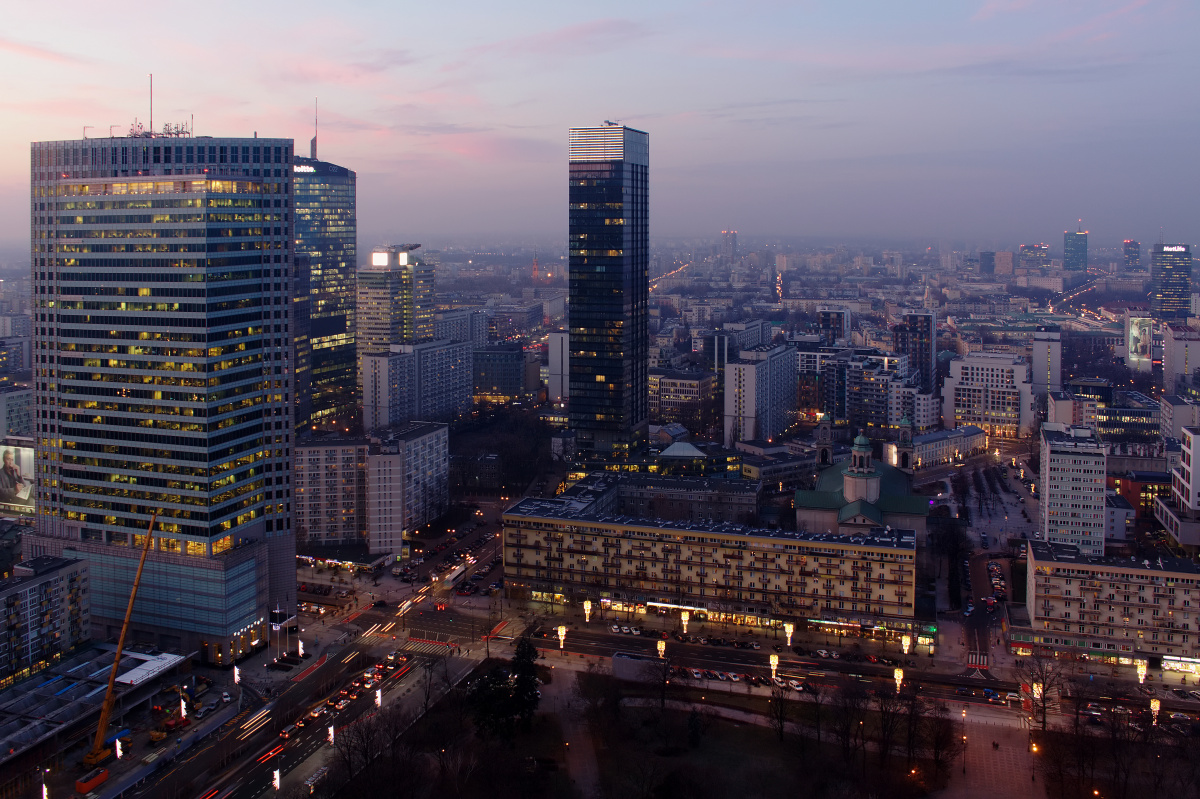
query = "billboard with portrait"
{"x": 16, "y": 478}
{"x": 1140, "y": 339}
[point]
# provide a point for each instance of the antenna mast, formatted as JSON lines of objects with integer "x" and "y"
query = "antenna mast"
{"x": 151, "y": 103}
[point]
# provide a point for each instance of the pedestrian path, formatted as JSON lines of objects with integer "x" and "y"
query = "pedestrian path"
{"x": 978, "y": 660}
{"x": 427, "y": 647}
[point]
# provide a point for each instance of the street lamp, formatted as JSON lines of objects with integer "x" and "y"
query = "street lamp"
{"x": 1141, "y": 671}
{"x": 662, "y": 648}
{"x": 683, "y": 617}
{"x": 237, "y": 675}
{"x": 378, "y": 697}
{"x": 587, "y": 610}
{"x": 774, "y": 665}
{"x": 182, "y": 704}
{"x": 788, "y": 629}
{"x": 300, "y": 647}
{"x": 905, "y": 643}
{"x": 275, "y": 779}
{"x": 562, "y": 636}
{"x": 898, "y": 676}
{"x": 1155, "y": 706}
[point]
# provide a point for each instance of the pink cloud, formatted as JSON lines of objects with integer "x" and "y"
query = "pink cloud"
{"x": 37, "y": 51}
{"x": 592, "y": 37}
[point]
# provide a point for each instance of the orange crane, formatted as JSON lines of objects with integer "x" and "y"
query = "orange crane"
{"x": 101, "y": 753}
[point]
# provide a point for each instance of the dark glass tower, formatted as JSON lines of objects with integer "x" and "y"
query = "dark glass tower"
{"x": 1133, "y": 256}
{"x": 916, "y": 337}
{"x": 1171, "y": 273}
{"x": 1075, "y": 253}
{"x": 327, "y": 236}
{"x": 609, "y": 288}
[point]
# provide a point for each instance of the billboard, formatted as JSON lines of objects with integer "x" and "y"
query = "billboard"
{"x": 16, "y": 478}
{"x": 1140, "y": 339}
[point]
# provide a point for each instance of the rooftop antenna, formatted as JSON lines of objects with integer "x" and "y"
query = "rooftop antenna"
{"x": 110, "y": 130}
{"x": 151, "y": 103}
{"x": 313, "y": 147}
{"x": 86, "y": 128}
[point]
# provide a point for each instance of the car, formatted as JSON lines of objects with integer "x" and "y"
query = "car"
{"x": 696, "y": 674}
{"x": 625, "y": 629}
{"x": 342, "y": 704}
{"x": 710, "y": 675}
{"x": 225, "y": 697}
{"x": 722, "y": 676}
{"x": 734, "y": 677}
{"x": 635, "y": 630}
{"x": 778, "y": 647}
{"x": 1194, "y": 694}
{"x": 300, "y": 722}
{"x": 616, "y": 628}
{"x": 379, "y": 603}
{"x": 755, "y": 645}
{"x": 778, "y": 682}
{"x": 794, "y": 685}
{"x": 1179, "y": 692}
{"x": 823, "y": 653}
{"x": 1146, "y": 689}
{"x": 960, "y": 691}
{"x": 317, "y": 712}
{"x": 1184, "y": 717}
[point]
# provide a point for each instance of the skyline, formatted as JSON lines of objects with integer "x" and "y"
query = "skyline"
{"x": 998, "y": 123}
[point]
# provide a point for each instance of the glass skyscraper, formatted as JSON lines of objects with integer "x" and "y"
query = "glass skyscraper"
{"x": 163, "y": 368}
{"x": 1133, "y": 256}
{"x": 327, "y": 238}
{"x": 1171, "y": 275}
{"x": 1075, "y": 250}
{"x": 609, "y": 288}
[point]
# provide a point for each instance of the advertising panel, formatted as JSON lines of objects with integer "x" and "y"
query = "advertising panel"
{"x": 1140, "y": 339}
{"x": 16, "y": 478}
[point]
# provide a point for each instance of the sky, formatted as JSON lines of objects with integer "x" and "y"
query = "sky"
{"x": 992, "y": 122}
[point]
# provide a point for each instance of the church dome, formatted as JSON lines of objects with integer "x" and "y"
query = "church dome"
{"x": 862, "y": 441}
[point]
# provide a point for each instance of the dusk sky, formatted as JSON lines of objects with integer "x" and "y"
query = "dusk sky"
{"x": 993, "y": 121}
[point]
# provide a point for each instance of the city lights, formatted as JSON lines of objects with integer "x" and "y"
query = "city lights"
{"x": 1141, "y": 671}
{"x": 898, "y": 676}
{"x": 905, "y": 643}
{"x": 683, "y": 617}
{"x": 662, "y": 648}
{"x": 788, "y": 629}
{"x": 774, "y": 665}
{"x": 587, "y": 610}
{"x": 562, "y": 636}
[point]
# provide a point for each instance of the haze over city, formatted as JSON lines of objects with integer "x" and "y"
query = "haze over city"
{"x": 993, "y": 123}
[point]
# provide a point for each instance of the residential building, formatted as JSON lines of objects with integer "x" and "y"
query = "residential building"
{"x": 916, "y": 337}
{"x": 1110, "y": 610}
{"x": 46, "y": 610}
{"x": 834, "y": 325}
{"x": 329, "y": 491}
{"x": 729, "y": 245}
{"x": 430, "y": 380}
{"x": 906, "y": 399}
{"x": 1141, "y": 490}
{"x": 688, "y": 398}
{"x": 1180, "y": 513}
{"x": 324, "y": 199}
{"x": 760, "y": 391}
{"x": 409, "y": 477}
{"x": 1176, "y": 413}
{"x": 1047, "y": 359}
{"x": 989, "y": 390}
{"x": 1075, "y": 250}
{"x": 693, "y": 499}
{"x": 1171, "y": 275}
{"x": 465, "y": 324}
{"x": 573, "y": 547}
{"x": 173, "y": 403}
{"x": 16, "y": 410}
{"x": 558, "y": 386}
{"x": 1071, "y": 489}
{"x": 505, "y": 373}
{"x": 1180, "y": 358}
{"x": 609, "y": 231}
{"x": 1119, "y": 517}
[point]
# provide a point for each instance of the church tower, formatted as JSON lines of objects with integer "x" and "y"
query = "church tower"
{"x": 861, "y": 481}
{"x": 904, "y": 447}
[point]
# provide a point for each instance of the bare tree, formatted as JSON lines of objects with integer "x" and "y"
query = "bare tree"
{"x": 1043, "y": 675}
{"x": 820, "y": 697}
{"x": 889, "y": 706}
{"x": 656, "y": 674}
{"x": 779, "y": 711}
{"x": 456, "y": 764}
{"x": 849, "y": 717}
{"x": 943, "y": 740}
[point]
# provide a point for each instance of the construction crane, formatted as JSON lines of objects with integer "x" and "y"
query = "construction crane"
{"x": 101, "y": 753}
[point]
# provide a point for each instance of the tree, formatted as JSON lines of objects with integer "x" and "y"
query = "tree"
{"x": 943, "y": 740}
{"x": 492, "y": 704}
{"x": 1043, "y": 675}
{"x": 525, "y": 681}
{"x": 820, "y": 695}
{"x": 779, "y": 712}
{"x": 889, "y": 707}
{"x": 656, "y": 674}
{"x": 599, "y": 694}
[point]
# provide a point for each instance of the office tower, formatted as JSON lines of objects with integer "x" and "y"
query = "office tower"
{"x": 760, "y": 391}
{"x": 1075, "y": 253}
{"x": 990, "y": 390}
{"x": 1035, "y": 256}
{"x": 1047, "y": 359}
{"x": 558, "y": 387}
{"x": 1072, "y": 487}
{"x": 301, "y": 345}
{"x": 1171, "y": 275}
{"x": 1133, "y": 256}
{"x": 163, "y": 384}
{"x": 395, "y": 300}
{"x": 609, "y": 222}
{"x": 729, "y": 248}
{"x": 916, "y": 337}
{"x": 326, "y": 235}
{"x": 987, "y": 263}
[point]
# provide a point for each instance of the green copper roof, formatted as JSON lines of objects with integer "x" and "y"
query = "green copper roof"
{"x": 862, "y": 441}
{"x": 860, "y": 508}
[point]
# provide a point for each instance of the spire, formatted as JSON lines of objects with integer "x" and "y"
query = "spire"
{"x": 312, "y": 146}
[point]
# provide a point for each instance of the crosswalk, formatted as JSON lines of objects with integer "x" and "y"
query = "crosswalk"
{"x": 978, "y": 659}
{"x": 426, "y": 647}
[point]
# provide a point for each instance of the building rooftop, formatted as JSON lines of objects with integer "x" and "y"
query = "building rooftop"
{"x": 408, "y": 431}
{"x": 940, "y": 435}
{"x": 1117, "y": 501}
{"x": 28, "y": 571}
{"x": 1070, "y": 436}
{"x": 1067, "y": 554}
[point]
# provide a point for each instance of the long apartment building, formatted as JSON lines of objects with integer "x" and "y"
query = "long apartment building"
{"x": 1179, "y": 512}
{"x": 989, "y": 390}
{"x": 1074, "y": 466}
{"x": 575, "y": 547}
{"x": 45, "y": 606}
{"x": 1111, "y": 609}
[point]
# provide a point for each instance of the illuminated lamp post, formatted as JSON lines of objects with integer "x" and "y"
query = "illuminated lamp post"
{"x": 662, "y": 648}
{"x": 182, "y": 704}
{"x": 898, "y": 676}
{"x": 237, "y": 676}
{"x": 378, "y": 697}
{"x": 683, "y": 617}
{"x": 1141, "y": 671}
{"x": 1155, "y": 706}
{"x": 300, "y": 647}
{"x": 587, "y": 611}
{"x": 788, "y": 629}
{"x": 905, "y": 643}
{"x": 562, "y": 637}
{"x": 275, "y": 779}
{"x": 774, "y": 665}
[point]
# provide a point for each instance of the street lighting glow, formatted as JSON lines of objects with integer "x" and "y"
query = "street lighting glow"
{"x": 662, "y": 648}
{"x": 1155, "y": 706}
{"x": 587, "y": 610}
{"x": 237, "y": 675}
{"x": 378, "y": 697}
{"x": 788, "y": 629}
{"x": 182, "y": 704}
{"x": 562, "y": 635}
{"x": 898, "y": 676}
{"x": 683, "y": 617}
{"x": 330, "y": 736}
{"x": 774, "y": 665}
{"x": 300, "y": 644}
{"x": 1141, "y": 671}
{"x": 905, "y": 643}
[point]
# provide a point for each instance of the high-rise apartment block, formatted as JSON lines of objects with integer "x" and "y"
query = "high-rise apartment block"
{"x": 1075, "y": 250}
{"x": 1047, "y": 359}
{"x": 1072, "y": 506}
{"x": 163, "y": 380}
{"x": 1132, "y": 251}
{"x": 1180, "y": 358}
{"x": 429, "y": 381}
{"x": 688, "y": 398}
{"x": 465, "y": 324}
{"x": 409, "y": 472}
{"x": 558, "y": 386}
{"x": 1171, "y": 274}
{"x": 834, "y": 324}
{"x": 45, "y": 605}
{"x": 916, "y": 337}
{"x": 729, "y": 245}
{"x": 326, "y": 241}
{"x": 329, "y": 491}
{"x": 1179, "y": 513}
{"x": 395, "y": 300}
{"x": 760, "y": 393}
{"x": 609, "y": 226}
{"x": 989, "y": 390}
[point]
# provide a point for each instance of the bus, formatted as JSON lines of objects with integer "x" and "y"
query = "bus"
{"x": 453, "y": 576}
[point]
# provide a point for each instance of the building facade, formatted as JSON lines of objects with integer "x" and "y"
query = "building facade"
{"x": 991, "y": 391}
{"x": 1047, "y": 359}
{"x": 1132, "y": 252}
{"x": 1171, "y": 274}
{"x": 431, "y": 381}
{"x": 1071, "y": 492}
{"x": 558, "y": 383}
{"x": 1075, "y": 250}
{"x": 329, "y": 491}
{"x": 688, "y": 398}
{"x": 916, "y": 337}
{"x": 46, "y": 611}
{"x": 760, "y": 391}
{"x": 505, "y": 373}
{"x": 609, "y": 231}
{"x": 163, "y": 380}
{"x": 409, "y": 472}
{"x": 324, "y": 197}
{"x": 1179, "y": 513}
{"x": 16, "y": 410}
{"x": 395, "y": 300}
{"x": 940, "y": 447}
{"x": 1180, "y": 357}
